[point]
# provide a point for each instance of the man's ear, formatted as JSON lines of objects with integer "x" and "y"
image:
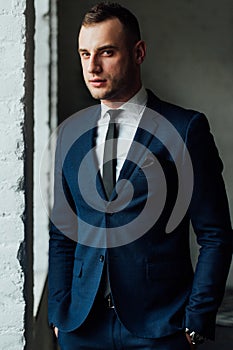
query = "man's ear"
{"x": 140, "y": 51}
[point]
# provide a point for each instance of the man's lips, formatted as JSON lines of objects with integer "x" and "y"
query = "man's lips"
{"x": 97, "y": 82}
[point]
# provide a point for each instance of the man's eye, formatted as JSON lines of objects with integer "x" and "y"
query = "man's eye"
{"x": 107, "y": 53}
{"x": 85, "y": 54}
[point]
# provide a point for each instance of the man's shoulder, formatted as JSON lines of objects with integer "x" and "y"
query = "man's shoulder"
{"x": 84, "y": 119}
{"x": 177, "y": 115}
{"x": 89, "y": 112}
{"x": 165, "y": 107}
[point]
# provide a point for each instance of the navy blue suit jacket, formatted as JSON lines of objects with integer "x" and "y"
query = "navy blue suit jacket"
{"x": 154, "y": 288}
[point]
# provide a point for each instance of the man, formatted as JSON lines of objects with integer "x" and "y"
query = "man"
{"x": 134, "y": 289}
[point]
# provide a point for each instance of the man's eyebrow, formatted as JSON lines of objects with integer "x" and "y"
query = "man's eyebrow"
{"x": 101, "y": 48}
{"x": 107, "y": 47}
{"x": 82, "y": 50}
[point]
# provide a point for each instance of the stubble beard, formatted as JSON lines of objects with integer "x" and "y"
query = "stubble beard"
{"x": 110, "y": 94}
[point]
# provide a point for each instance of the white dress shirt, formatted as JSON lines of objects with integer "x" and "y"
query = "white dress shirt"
{"x": 128, "y": 121}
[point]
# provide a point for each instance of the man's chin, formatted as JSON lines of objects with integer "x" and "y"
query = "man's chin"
{"x": 100, "y": 95}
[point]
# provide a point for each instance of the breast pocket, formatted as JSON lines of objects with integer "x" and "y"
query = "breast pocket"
{"x": 154, "y": 164}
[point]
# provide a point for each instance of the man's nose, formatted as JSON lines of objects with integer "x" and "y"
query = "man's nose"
{"x": 94, "y": 65}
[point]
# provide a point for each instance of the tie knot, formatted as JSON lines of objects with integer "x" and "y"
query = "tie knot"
{"x": 114, "y": 113}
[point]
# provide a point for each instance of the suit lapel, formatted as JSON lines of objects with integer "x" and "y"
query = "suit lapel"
{"x": 144, "y": 135}
{"x": 140, "y": 145}
{"x": 89, "y": 145}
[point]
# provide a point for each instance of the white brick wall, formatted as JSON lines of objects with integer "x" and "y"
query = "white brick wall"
{"x": 12, "y": 201}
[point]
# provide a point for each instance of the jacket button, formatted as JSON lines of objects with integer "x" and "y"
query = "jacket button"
{"x": 101, "y": 258}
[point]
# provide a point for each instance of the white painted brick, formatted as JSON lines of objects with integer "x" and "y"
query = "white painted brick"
{"x": 11, "y": 281}
{"x": 5, "y": 111}
{"x": 12, "y": 28}
{"x": 11, "y": 138}
{"x": 11, "y": 111}
{"x": 12, "y": 203}
{"x": 12, "y": 341}
{"x": 5, "y": 6}
{"x": 8, "y": 53}
{"x": 12, "y": 84}
{"x": 9, "y": 312}
{"x": 12, "y": 250}
{"x": 11, "y": 227}
{"x": 10, "y": 157}
{"x": 12, "y": 290}
{"x": 12, "y": 6}
{"x": 18, "y": 6}
{"x": 10, "y": 173}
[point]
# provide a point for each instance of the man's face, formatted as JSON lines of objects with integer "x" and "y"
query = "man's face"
{"x": 109, "y": 66}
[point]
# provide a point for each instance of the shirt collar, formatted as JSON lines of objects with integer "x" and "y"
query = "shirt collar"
{"x": 135, "y": 105}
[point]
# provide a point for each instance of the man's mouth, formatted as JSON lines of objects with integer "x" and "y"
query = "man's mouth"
{"x": 97, "y": 82}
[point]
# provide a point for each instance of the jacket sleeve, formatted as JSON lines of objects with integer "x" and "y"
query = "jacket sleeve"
{"x": 63, "y": 238}
{"x": 210, "y": 218}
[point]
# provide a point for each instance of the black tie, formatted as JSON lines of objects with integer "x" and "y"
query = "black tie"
{"x": 110, "y": 154}
{"x": 109, "y": 173}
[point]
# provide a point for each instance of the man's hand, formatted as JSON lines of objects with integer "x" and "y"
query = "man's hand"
{"x": 192, "y": 347}
{"x": 56, "y": 331}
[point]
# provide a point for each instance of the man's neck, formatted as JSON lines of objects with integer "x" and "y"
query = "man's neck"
{"x": 115, "y": 103}
{"x": 135, "y": 104}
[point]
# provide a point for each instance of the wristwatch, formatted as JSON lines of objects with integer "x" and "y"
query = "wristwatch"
{"x": 196, "y": 338}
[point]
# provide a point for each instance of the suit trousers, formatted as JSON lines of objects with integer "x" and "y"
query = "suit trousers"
{"x": 102, "y": 330}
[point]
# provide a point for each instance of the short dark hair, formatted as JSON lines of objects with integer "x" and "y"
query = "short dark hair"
{"x": 107, "y": 10}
